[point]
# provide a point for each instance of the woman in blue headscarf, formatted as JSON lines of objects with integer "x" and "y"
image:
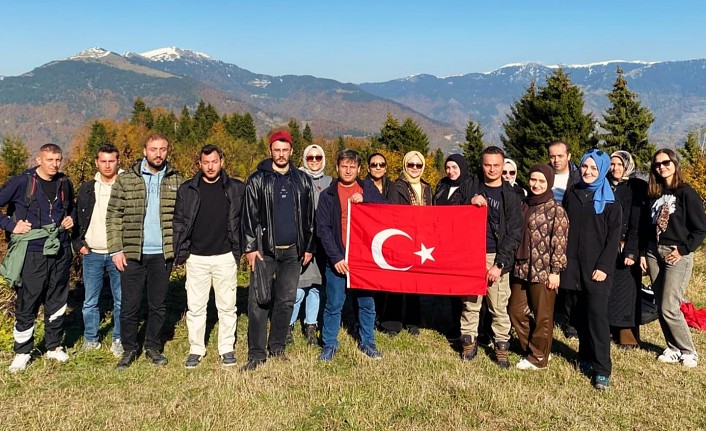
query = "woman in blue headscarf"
{"x": 594, "y": 240}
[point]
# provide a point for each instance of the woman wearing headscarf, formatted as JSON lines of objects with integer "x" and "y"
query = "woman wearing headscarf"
{"x": 402, "y": 311}
{"x": 539, "y": 259}
{"x": 313, "y": 164}
{"x": 674, "y": 229}
{"x": 624, "y": 306}
{"x": 595, "y": 219}
{"x": 451, "y": 190}
{"x": 510, "y": 175}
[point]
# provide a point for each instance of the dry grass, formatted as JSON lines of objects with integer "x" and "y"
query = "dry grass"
{"x": 419, "y": 385}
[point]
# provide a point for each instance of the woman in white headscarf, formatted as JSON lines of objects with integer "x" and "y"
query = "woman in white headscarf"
{"x": 510, "y": 175}
{"x": 313, "y": 164}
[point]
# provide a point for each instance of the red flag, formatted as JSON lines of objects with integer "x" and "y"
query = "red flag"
{"x": 438, "y": 250}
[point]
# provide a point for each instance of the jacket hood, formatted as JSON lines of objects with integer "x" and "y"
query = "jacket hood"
{"x": 266, "y": 165}
{"x": 136, "y": 168}
{"x": 33, "y": 171}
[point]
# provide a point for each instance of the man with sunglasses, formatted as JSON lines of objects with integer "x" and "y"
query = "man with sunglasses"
{"x": 278, "y": 212}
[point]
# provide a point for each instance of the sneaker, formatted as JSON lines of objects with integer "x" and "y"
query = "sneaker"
{"x": 228, "y": 359}
{"x": 90, "y": 346}
{"x": 252, "y": 364}
{"x": 20, "y": 362}
{"x": 290, "y": 336}
{"x": 413, "y": 330}
{"x": 156, "y": 357}
{"x": 126, "y": 360}
{"x": 192, "y": 361}
{"x": 690, "y": 360}
{"x": 501, "y": 348}
{"x": 327, "y": 354}
{"x": 117, "y": 348}
{"x": 670, "y": 356}
{"x": 58, "y": 355}
{"x": 585, "y": 367}
{"x": 470, "y": 348}
{"x": 525, "y": 364}
{"x": 602, "y": 383}
{"x": 570, "y": 332}
{"x": 310, "y": 334}
{"x": 279, "y": 354}
{"x": 371, "y": 351}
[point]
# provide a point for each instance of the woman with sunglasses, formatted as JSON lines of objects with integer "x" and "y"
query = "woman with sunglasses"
{"x": 377, "y": 173}
{"x": 313, "y": 164}
{"x": 510, "y": 175}
{"x": 623, "y": 307}
{"x": 402, "y": 311}
{"x": 675, "y": 226}
{"x": 595, "y": 219}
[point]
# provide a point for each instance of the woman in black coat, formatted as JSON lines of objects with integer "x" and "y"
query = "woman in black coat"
{"x": 592, "y": 248}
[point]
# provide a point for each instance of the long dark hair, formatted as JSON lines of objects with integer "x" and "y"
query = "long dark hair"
{"x": 657, "y": 184}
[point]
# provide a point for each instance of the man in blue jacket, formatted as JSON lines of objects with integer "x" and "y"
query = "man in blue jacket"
{"x": 40, "y": 198}
{"x": 331, "y": 224}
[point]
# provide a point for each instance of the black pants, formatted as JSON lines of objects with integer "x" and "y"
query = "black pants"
{"x": 150, "y": 273}
{"x": 565, "y": 306}
{"x": 402, "y": 310}
{"x": 285, "y": 267}
{"x": 591, "y": 321}
{"x": 44, "y": 279}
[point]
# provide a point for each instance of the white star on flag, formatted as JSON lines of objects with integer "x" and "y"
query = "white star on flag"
{"x": 425, "y": 253}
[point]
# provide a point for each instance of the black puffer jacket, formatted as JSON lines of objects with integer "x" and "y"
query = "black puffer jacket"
{"x": 187, "y": 206}
{"x": 259, "y": 204}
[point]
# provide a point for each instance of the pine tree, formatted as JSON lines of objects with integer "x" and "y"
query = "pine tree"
{"x": 693, "y": 150}
{"x": 390, "y": 135}
{"x": 340, "y": 144}
{"x": 14, "y": 155}
{"x": 205, "y": 117}
{"x": 167, "y": 125}
{"x": 249, "y": 132}
{"x": 99, "y": 135}
{"x": 439, "y": 160}
{"x": 296, "y": 134}
{"x": 553, "y": 112}
{"x": 184, "y": 131}
{"x": 141, "y": 114}
{"x": 413, "y": 137}
{"x": 473, "y": 147}
{"x": 627, "y": 122}
{"x": 307, "y": 135}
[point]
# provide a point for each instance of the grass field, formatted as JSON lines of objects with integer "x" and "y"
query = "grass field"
{"x": 420, "y": 384}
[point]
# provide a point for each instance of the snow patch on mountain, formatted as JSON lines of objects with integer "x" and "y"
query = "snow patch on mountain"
{"x": 90, "y": 53}
{"x": 173, "y": 53}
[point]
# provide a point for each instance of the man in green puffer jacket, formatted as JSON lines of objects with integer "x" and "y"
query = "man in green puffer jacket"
{"x": 141, "y": 243}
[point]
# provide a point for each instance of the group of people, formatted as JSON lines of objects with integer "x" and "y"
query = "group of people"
{"x": 569, "y": 249}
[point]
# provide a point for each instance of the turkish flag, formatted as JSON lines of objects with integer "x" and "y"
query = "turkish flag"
{"x": 438, "y": 250}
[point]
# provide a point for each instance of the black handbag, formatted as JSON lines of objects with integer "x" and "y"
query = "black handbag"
{"x": 260, "y": 284}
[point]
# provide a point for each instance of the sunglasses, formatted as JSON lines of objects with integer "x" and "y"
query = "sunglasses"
{"x": 312, "y": 158}
{"x": 666, "y": 163}
{"x": 509, "y": 172}
{"x": 414, "y": 166}
{"x": 378, "y": 165}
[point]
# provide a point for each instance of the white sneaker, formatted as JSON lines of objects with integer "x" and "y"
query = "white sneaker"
{"x": 117, "y": 348}
{"x": 90, "y": 345}
{"x": 690, "y": 360}
{"x": 58, "y": 355}
{"x": 670, "y": 356}
{"x": 524, "y": 364}
{"x": 20, "y": 362}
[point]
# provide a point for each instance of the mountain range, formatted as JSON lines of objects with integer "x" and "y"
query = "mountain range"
{"x": 54, "y": 100}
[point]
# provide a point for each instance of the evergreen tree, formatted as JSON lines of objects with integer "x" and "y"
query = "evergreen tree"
{"x": 99, "y": 135}
{"x": 553, "y": 112}
{"x": 184, "y": 131}
{"x": 296, "y": 133}
{"x": 413, "y": 137}
{"x": 390, "y": 135}
{"x": 473, "y": 147}
{"x": 693, "y": 148}
{"x": 167, "y": 125}
{"x": 439, "y": 160}
{"x": 307, "y": 135}
{"x": 627, "y": 122}
{"x": 14, "y": 155}
{"x": 249, "y": 132}
{"x": 205, "y": 117}
{"x": 141, "y": 114}
{"x": 340, "y": 144}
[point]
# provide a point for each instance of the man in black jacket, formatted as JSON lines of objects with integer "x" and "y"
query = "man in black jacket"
{"x": 503, "y": 232}
{"x": 91, "y": 242}
{"x": 279, "y": 210}
{"x": 207, "y": 238}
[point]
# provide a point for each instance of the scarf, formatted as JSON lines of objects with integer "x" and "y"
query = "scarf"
{"x": 463, "y": 167}
{"x": 313, "y": 174}
{"x": 602, "y": 191}
{"x": 628, "y": 164}
{"x": 514, "y": 166}
{"x": 529, "y": 207}
{"x": 405, "y": 175}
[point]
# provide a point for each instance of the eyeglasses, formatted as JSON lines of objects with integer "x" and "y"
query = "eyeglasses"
{"x": 508, "y": 172}
{"x": 378, "y": 165}
{"x": 666, "y": 163}
{"x": 312, "y": 158}
{"x": 414, "y": 166}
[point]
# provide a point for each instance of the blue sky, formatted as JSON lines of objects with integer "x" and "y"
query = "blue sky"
{"x": 359, "y": 41}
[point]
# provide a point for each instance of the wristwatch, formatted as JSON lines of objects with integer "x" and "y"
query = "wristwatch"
{"x": 500, "y": 265}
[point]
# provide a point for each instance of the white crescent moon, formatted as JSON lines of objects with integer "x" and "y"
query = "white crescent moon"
{"x": 379, "y": 241}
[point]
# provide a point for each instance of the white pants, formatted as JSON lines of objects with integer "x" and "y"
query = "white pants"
{"x": 202, "y": 272}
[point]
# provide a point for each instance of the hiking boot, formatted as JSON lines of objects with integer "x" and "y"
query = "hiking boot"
{"x": 278, "y": 354}
{"x": 156, "y": 357}
{"x": 116, "y": 348}
{"x": 670, "y": 356}
{"x": 89, "y": 346}
{"x": 690, "y": 360}
{"x": 371, "y": 351}
{"x": 20, "y": 362}
{"x": 327, "y": 354}
{"x": 602, "y": 383}
{"x": 58, "y": 355}
{"x": 228, "y": 359}
{"x": 252, "y": 364}
{"x": 501, "y": 348}
{"x": 193, "y": 360}
{"x": 290, "y": 336}
{"x": 570, "y": 332}
{"x": 126, "y": 360}
{"x": 310, "y": 334}
{"x": 470, "y": 348}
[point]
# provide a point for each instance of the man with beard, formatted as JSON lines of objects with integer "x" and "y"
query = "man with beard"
{"x": 140, "y": 241}
{"x": 279, "y": 210}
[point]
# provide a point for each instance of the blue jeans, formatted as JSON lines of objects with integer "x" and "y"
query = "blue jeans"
{"x": 335, "y": 298}
{"x": 94, "y": 264}
{"x": 313, "y": 302}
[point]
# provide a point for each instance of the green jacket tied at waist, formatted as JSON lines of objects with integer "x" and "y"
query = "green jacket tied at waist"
{"x": 11, "y": 266}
